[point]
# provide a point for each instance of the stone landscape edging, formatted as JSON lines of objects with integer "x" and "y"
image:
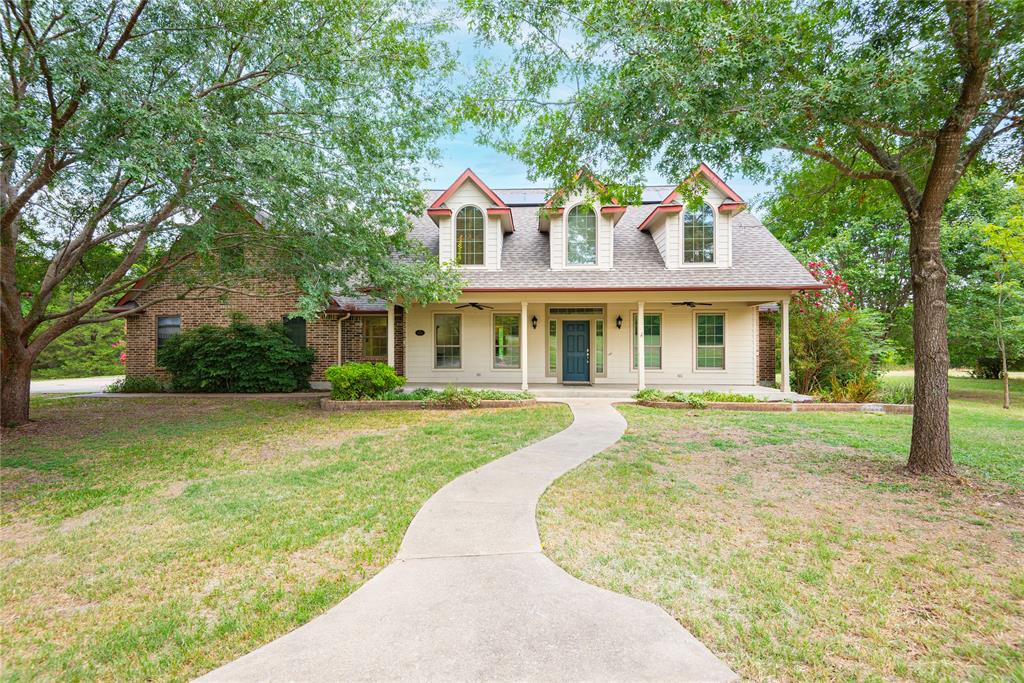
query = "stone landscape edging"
{"x": 782, "y": 407}
{"x": 427, "y": 404}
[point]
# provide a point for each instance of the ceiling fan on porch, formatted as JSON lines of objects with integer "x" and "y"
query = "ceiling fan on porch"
{"x": 475, "y": 305}
{"x": 691, "y": 304}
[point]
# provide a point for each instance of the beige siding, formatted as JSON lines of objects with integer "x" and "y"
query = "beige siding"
{"x": 678, "y": 345}
{"x": 605, "y": 227}
{"x": 469, "y": 194}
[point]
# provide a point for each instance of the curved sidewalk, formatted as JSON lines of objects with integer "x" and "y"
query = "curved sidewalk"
{"x": 470, "y": 595}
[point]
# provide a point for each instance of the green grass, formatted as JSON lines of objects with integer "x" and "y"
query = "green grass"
{"x": 795, "y": 546}
{"x": 159, "y": 538}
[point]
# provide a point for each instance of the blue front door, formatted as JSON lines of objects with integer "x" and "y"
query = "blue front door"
{"x": 576, "y": 351}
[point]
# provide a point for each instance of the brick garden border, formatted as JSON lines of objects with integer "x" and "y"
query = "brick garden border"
{"x": 344, "y": 406}
{"x": 782, "y": 407}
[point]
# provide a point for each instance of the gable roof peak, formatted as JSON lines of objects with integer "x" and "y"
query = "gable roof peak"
{"x": 469, "y": 176}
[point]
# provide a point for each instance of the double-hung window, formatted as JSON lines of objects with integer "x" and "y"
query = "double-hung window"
{"x": 699, "y": 235}
{"x": 166, "y": 327}
{"x": 375, "y": 337}
{"x": 581, "y": 236}
{"x": 295, "y": 328}
{"x": 506, "y": 341}
{"x": 710, "y": 341}
{"x": 448, "y": 340}
{"x": 652, "y": 341}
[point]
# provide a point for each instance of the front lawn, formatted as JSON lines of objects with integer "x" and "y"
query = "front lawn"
{"x": 159, "y": 538}
{"x": 795, "y": 547}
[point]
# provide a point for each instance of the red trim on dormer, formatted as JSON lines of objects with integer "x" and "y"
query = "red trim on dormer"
{"x": 706, "y": 171}
{"x": 731, "y": 206}
{"x": 439, "y": 212}
{"x": 468, "y": 175}
{"x": 657, "y": 211}
{"x": 613, "y": 209}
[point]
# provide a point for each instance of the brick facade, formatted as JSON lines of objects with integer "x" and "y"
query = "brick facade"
{"x": 766, "y": 348}
{"x": 269, "y": 302}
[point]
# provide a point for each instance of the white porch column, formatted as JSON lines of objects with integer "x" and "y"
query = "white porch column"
{"x": 785, "y": 344}
{"x": 391, "y": 334}
{"x": 524, "y": 335}
{"x": 641, "y": 362}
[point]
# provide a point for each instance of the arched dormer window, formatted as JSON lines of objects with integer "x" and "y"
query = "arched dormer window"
{"x": 469, "y": 237}
{"x": 699, "y": 235}
{"x": 581, "y": 236}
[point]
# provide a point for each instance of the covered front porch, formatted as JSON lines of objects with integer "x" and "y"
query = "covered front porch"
{"x": 618, "y": 341}
{"x": 625, "y": 391}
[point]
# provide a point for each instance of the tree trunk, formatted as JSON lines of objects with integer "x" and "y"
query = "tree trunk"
{"x": 1005, "y": 373}
{"x": 929, "y": 444}
{"x": 16, "y": 374}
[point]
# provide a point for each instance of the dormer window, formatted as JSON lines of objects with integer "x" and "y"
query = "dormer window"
{"x": 469, "y": 237}
{"x": 699, "y": 235}
{"x": 581, "y": 236}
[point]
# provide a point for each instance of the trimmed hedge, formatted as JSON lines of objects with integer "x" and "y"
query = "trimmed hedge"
{"x": 239, "y": 358}
{"x": 355, "y": 381}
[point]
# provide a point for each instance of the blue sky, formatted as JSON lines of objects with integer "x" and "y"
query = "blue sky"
{"x": 460, "y": 151}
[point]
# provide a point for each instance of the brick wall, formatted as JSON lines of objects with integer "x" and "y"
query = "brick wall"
{"x": 272, "y": 302}
{"x": 766, "y": 347}
{"x": 352, "y": 340}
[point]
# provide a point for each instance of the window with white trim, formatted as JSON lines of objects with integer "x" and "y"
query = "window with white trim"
{"x": 448, "y": 340}
{"x": 699, "y": 235}
{"x": 710, "y": 341}
{"x": 506, "y": 341}
{"x": 581, "y": 236}
{"x": 469, "y": 237}
{"x": 652, "y": 341}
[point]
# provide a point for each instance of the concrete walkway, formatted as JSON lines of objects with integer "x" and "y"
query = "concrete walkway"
{"x": 470, "y": 595}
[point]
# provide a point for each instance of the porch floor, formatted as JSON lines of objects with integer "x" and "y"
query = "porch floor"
{"x": 624, "y": 391}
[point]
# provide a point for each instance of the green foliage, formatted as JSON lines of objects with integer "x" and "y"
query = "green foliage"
{"x": 136, "y": 385}
{"x": 714, "y": 397}
{"x": 355, "y": 381}
{"x": 166, "y": 131}
{"x": 649, "y": 394}
{"x": 900, "y": 394}
{"x": 241, "y": 357}
{"x": 84, "y": 351}
{"x": 456, "y": 397}
{"x": 862, "y": 388}
{"x": 698, "y": 399}
{"x": 832, "y": 343}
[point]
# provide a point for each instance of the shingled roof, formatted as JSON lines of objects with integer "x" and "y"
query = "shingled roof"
{"x": 759, "y": 261}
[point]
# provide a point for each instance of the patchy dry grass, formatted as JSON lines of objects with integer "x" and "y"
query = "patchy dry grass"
{"x": 796, "y": 548}
{"x": 159, "y": 538}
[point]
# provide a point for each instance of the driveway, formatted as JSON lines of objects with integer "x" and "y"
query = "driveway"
{"x": 471, "y": 596}
{"x": 77, "y": 385}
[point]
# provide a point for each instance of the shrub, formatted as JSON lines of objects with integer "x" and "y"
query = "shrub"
{"x": 831, "y": 341}
{"x": 863, "y": 388}
{"x": 456, "y": 397}
{"x": 136, "y": 385}
{"x": 901, "y": 394}
{"x": 721, "y": 397}
{"x": 356, "y": 381}
{"x": 241, "y": 357}
{"x": 646, "y": 395}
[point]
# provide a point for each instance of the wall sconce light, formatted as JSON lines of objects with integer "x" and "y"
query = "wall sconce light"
{"x": 533, "y": 321}
{"x": 618, "y": 323}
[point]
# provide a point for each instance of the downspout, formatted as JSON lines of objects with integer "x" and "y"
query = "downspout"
{"x": 340, "y": 319}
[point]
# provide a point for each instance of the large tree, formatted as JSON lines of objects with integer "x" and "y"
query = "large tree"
{"x": 909, "y": 93}
{"x": 123, "y": 124}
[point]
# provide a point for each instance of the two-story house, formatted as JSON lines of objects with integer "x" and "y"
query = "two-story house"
{"x": 654, "y": 294}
